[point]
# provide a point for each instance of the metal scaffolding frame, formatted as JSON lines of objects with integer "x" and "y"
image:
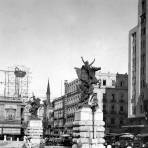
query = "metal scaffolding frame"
{"x": 16, "y": 82}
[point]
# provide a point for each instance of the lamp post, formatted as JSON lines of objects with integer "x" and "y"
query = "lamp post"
{"x": 93, "y": 105}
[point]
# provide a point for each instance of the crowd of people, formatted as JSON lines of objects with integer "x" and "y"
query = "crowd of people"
{"x": 127, "y": 140}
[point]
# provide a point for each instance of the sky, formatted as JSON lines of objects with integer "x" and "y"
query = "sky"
{"x": 50, "y": 36}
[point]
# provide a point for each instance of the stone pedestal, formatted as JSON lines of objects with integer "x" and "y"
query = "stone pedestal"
{"x": 83, "y": 129}
{"x": 35, "y": 131}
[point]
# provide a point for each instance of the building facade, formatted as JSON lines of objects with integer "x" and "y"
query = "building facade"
{"x": 112, "y": 99}
{"x": 138, "y": 66}
{"x": 11, "y": 117}
{"x": 108, "y": 85}
{"x": 115, "y": 105}
{"x": 71, "y": 103}
{"x": 58, "y": 116}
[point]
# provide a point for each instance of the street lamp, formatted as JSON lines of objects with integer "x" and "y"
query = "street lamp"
{"x": 93, "y": 103}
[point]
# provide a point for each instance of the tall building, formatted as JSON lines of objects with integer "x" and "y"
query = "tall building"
{"x": 138, "y": 70}
{"x": 138, "y": 64}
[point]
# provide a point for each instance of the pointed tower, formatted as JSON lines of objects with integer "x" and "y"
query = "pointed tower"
{"x": 48, "y": 94}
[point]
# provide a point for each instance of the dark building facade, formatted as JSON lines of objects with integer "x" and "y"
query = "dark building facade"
{"x": 115, "y": 105}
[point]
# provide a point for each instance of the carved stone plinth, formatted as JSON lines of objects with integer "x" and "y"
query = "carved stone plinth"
{"x": 35, "y": 131}
{"x": 83, "y": 129}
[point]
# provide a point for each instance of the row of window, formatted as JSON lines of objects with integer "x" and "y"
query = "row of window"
{"x": 73, "y": 99}
{"x": 58, "y": 114}
{"x": 113, "y": 108}
{"x": 58, "y": 122}
{"x": 114, "y": 98}
{"x": 104, "y": 83}
{"x": 72, "y": 87}
{"x": 58, "y": 104}
{"x": 112, "y": 121}
{"x": 69, "y": 120}
{"x": 114, "y": 101}
{"x": 72, "y": 110}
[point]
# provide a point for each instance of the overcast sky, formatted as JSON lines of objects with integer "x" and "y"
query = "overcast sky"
{"x": 50, "y": 36}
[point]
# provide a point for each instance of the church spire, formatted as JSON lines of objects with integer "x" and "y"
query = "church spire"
{"x": 48, "y": 93}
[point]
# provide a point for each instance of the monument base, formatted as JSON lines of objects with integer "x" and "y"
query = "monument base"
{"x": 86, "y": 132}
{"x": 35, "y": 131}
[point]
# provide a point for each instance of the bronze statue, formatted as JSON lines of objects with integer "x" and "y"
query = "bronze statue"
{"x": 87, "y": 77}
{"x": 35, "y": 104}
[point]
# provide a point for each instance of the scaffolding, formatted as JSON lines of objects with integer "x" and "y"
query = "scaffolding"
{"x": 15, "y": 82}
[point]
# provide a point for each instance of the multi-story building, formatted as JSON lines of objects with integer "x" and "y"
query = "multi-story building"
{"x": 71, "y": 103}
{"x": 106, "y": 80}
{"x": 58, "y": 116}
{"x": 138, "y": 68}
{"x": 115, "y": 104}
{"x": 138, "y": 64}
{"x": 11, "y": 117}
{"x": 108, "y": 84}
